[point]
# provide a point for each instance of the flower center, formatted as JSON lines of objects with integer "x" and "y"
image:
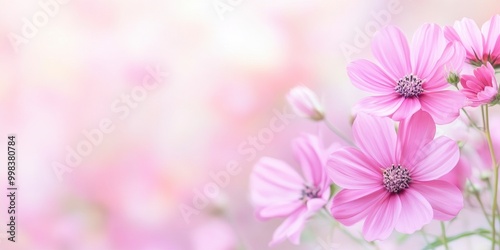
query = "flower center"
{"x": 309, "y": 193}
{"x": 409, "y": 86}
{"x": 396, "y": 178}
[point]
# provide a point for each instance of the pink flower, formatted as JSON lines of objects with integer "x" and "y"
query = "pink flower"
{"x": 459, "y": 175}
{"x": 480, "y": 88}
{"x": 279, "y": 191}
{"x": 305, "y": 103}
{"x": 482, "y": 45}
{"x": 391, "y": 181}
{"x": 410, "y": 80}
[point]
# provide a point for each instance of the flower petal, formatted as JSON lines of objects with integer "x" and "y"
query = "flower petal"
{"x": 428, "y": 45}
{"x": 376, "y": 137}
{"x": 380, "y": 223}
{"x": 407, "y": 108}
{"x": 315, "y": 204}
{"x": 416, "y": 212}
{"x": 444, "y": 106}
{"x": 350, "y": 206}
{"x": 390, "y": 47}
{"x": 279, "y": 209}
{"x": 471, "y": 37}
{"x": 434, "y": 160}
{"x": 367, "y": 76}
{"x": 379, "y": 105}
{"x": 349, "y": 168}
{"x": 291, "y": 228}
{"x": 451, "y": 60}
{"x": 491, "y": 33}
{"x": 413, "y": 134}
{"x": 310, "y": 154}
{"x": 275, "y": 188}
{"x": 445, "y": 198}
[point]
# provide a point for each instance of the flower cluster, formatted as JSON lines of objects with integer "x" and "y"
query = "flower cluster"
{"x": 397, "y": 173}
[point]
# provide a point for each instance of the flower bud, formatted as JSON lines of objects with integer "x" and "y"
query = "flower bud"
{"x": 305, "y": 103}
{"x": 453, "y": 78}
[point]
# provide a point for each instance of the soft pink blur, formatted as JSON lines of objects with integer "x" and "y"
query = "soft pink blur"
{"x": 227, "y": 81}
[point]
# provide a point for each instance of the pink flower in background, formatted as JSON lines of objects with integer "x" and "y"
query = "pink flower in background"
{"x": 305, "y": 103}
{"x": 279, "y": 191}
{"x": 480, "y": 88}
{"x": 410, "y": 77}
{"x": 459, "y": 174}
{"x": 391, "y": 181}
{"x": 482, "y": 45}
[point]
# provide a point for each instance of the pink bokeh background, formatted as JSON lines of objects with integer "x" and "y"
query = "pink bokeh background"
{"x": 227, "y": 78}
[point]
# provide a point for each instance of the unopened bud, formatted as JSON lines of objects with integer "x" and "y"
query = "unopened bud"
{"x": 305, "y": 103}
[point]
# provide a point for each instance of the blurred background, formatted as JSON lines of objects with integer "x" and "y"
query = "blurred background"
{"x": 127, "y": 111}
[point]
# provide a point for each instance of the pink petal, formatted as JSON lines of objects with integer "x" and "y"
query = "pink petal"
{"x": 380, "y": 223}
{"x": 470, "y": 36}
{"x": 349, "y": 168}
{"x": 376, "y": 137}
{"x": 451, "y": 34}
{"x": 428, "y": 45}
{"x": 275, "y": 188}
{"x": 390, "y": 47}
{"x": 350, "y": 206}
{"x": 414, "y": 133}
{"x": 445, "y": 198}
{"x": 444, "y": 106}
{"x": 434, "y": 160}
{"x": 459, "y": 174}
{"x": 407, "y": 108}
{"x": 451, "y": 60}
{"x": 416, "y": 212}
{"x": 367, "y": 76}
{"x": 487, "y": 95}
{"x": 491, "y": 33}
{"x": 313, "y": 205}
{"x": 310, "y": 154}
{"x": 379, "y": 105}
{"x": 291, "y": 228}
{"x": 276, "y": 209}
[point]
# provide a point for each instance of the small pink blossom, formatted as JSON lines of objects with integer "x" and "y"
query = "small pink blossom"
{"x": 279, "y": 191}
{"x": 411, "y": 77}
{"x": 305, "y": 103}
{"x": 391, "y": 181}
{"x": 482, "y": 45}
{"x": 480, "y": 88}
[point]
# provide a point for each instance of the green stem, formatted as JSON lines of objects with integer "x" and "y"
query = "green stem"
{"x": 470, "y": 120}
{"x": 337, "y": 132}
{"x": 443, "y": 236}
{"x": 495, "y": 173}
{"x": 476, "y": 194}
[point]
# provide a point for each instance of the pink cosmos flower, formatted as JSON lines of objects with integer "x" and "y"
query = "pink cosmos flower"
{"x": 410, "y": 77}
{"x": 391, "y": 181}
{"x": 480, "y": 88}
{"x": 305, "y": 103}
{"x": 279, "y": 191}
{"x": 482, "y": 45}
